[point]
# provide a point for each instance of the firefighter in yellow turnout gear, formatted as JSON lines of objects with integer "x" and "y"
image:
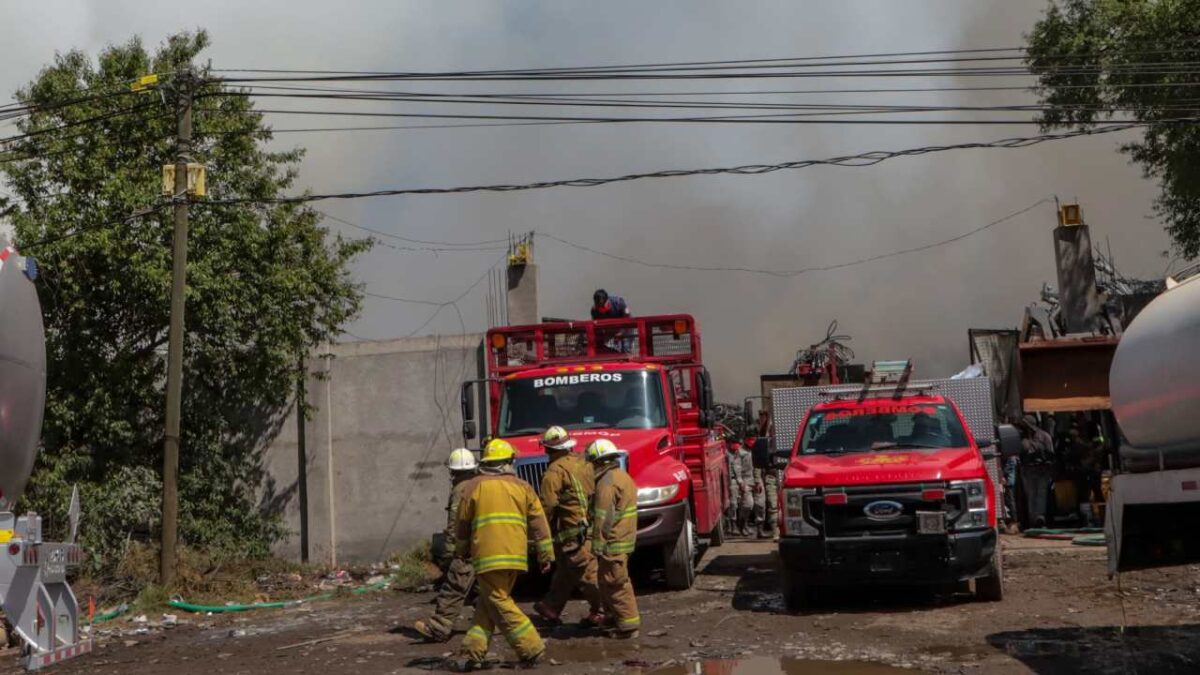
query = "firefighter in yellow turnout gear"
{"x": 614, "y": 523}
{"x": 566, "y": 492}
{"x": 498, "y": 515}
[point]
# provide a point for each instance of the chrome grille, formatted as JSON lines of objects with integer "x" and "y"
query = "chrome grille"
{"x": 849, "y": 520}
{"x": 531, "y": 470}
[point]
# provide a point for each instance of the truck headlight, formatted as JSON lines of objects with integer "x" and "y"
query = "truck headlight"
{"x": 793, "y": 512}
{"x": 649, "y": 496}
{"x": 976, "y": 514}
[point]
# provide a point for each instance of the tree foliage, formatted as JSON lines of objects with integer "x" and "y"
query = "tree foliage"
{"x": 265, "y": 284}
{"x": 1098, "y": 59}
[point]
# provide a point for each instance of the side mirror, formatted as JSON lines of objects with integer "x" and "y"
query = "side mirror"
{"x": 747, "y": 414}
{"x": 984, "y": 442}
{"x": 469, "y": 430}
{"x": 1010, "y": 440}
{"x": 468, "y": 404}
{"x": 781, "y": 458}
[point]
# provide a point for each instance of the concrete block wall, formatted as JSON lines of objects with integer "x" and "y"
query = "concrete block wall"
{"x": 371, "y": 454}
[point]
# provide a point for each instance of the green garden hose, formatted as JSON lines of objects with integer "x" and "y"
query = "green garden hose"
{"x": 180, "y": 603}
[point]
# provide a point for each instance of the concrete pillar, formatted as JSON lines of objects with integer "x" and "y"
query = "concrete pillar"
{"x": 1077, "y": 297}
{"x": 319, "y": 436}
{"x": 523, "y": 308}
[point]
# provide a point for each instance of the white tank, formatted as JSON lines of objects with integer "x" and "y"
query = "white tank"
{"x": 22, "y": 373}
{"x": 1155, "y": 382}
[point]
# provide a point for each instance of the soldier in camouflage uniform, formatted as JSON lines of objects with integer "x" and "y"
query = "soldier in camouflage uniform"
{"x": 459, "y": 574}
{"x": 766, "y": 479}
{"x": 741, "y": 482}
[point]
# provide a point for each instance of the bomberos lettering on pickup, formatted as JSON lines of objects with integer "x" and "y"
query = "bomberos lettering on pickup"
{"x": 581, "y": 378}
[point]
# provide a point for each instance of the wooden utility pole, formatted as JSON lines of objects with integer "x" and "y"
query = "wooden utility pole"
{"x": 170, "y": 503}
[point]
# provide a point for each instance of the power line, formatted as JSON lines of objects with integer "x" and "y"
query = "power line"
{"x": 892, "y": 58}
{"x": 89, "y": 228}
{"x": 733, "y": 92}
{"x": 774, "y": 118}
{"x": 802, "y": 270}
{"x": 862, "y": 159}
{"x": 486, "y": 242}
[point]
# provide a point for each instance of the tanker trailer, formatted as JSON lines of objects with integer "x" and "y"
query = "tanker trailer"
{"x": 1154, "y": 500}
{"x": 34, "y": 592}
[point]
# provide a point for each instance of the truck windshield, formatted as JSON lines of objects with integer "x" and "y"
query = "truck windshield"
{"x": 886, "y": 426}
{"x": 626, "y": 399}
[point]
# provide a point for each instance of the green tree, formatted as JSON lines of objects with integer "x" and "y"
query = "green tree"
{"x": 265, "y": 284}
{"x": 1102, "y": 59}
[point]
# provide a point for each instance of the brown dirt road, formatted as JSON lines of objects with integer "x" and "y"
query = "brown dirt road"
{"x": 1060, "y": 616}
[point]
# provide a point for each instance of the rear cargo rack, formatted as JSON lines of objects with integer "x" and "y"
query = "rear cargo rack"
{"x": 665, "y": 339}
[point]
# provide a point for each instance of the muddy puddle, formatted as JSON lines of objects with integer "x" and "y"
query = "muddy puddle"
{"x": 778, "y": 666}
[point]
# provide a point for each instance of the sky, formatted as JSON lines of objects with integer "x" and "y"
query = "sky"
{"x": 915, "y": 306}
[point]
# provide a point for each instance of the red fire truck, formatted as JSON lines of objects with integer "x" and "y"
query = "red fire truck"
{"x": 886, "y": 483}
{"x": 638, "y": 382}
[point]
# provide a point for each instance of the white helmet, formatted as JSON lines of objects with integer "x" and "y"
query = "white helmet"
{"x": 600, "y": 450}
{"x": 462, "y": 459}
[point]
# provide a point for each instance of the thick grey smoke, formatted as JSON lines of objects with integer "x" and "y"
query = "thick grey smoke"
{"x": 917, "y": 306}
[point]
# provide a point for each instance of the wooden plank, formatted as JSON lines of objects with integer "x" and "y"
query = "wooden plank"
{"x": 1067, "y": 404}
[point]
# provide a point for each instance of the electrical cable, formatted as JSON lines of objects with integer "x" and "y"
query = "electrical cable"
{"x": 89, "y": 228}
{"x": 859, "y": 160}
{"x": 802, "y": 270}
{"x": 486, "y": 242}
{"x": 69, "y": 125}
{"x": 1021, "y": 50}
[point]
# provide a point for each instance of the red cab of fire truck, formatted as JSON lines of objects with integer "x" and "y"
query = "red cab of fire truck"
{"x": 886, "y": 485}
{"x": 638, "y": 382}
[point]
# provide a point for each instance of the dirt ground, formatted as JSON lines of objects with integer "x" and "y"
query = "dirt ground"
{"x": 1061, "y": 615}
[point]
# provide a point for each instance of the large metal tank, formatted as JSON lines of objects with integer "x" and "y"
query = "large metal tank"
{"x": 22, "y": 373}
{"x": 1155, "y": 382}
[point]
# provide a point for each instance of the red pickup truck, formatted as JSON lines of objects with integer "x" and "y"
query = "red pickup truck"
{"x": 887, "y": 487}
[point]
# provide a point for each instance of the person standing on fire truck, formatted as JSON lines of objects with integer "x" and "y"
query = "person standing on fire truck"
{"x": 605, "y": 306}
{"x": 614, "y": 534}
{"x": 499, "y": 514}
{"x": 566, "y": 491}
{"x": 458, "y": 575}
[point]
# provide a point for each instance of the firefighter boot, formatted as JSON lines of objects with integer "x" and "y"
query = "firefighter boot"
{"x": 547, "y": 612}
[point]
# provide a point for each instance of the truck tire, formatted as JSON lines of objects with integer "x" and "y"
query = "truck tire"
{"x": 679, "y": 558}
{"x": 797, "y": 595}
{"x": 717, "y": 536}
{"x": 990, "y": 588}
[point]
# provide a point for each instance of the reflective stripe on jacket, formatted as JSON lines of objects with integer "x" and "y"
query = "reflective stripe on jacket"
{"x": 614, "y": 512}
{"x": 566, "y": 492}
{"x": 498, "y": 516}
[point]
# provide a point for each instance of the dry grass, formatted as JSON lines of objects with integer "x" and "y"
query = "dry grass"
{"x": 415, "y": 567}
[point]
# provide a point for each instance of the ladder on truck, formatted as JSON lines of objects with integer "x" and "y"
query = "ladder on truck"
{"x": 34, "y": 591}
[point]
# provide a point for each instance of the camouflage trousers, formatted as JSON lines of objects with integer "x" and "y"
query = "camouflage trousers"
{"x": 456, "y": 586}
{"x": 766, "y": 499}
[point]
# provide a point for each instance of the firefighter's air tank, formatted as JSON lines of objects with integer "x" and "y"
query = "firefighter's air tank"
{"x": 1155, "y": 382}
{"x": 22, "y": 372}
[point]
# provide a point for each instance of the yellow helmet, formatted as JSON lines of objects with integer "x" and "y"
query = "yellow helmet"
{"x": 557, "y": 438}
{"x": 600, "y": 450}
{"x": 498, "y": 450}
